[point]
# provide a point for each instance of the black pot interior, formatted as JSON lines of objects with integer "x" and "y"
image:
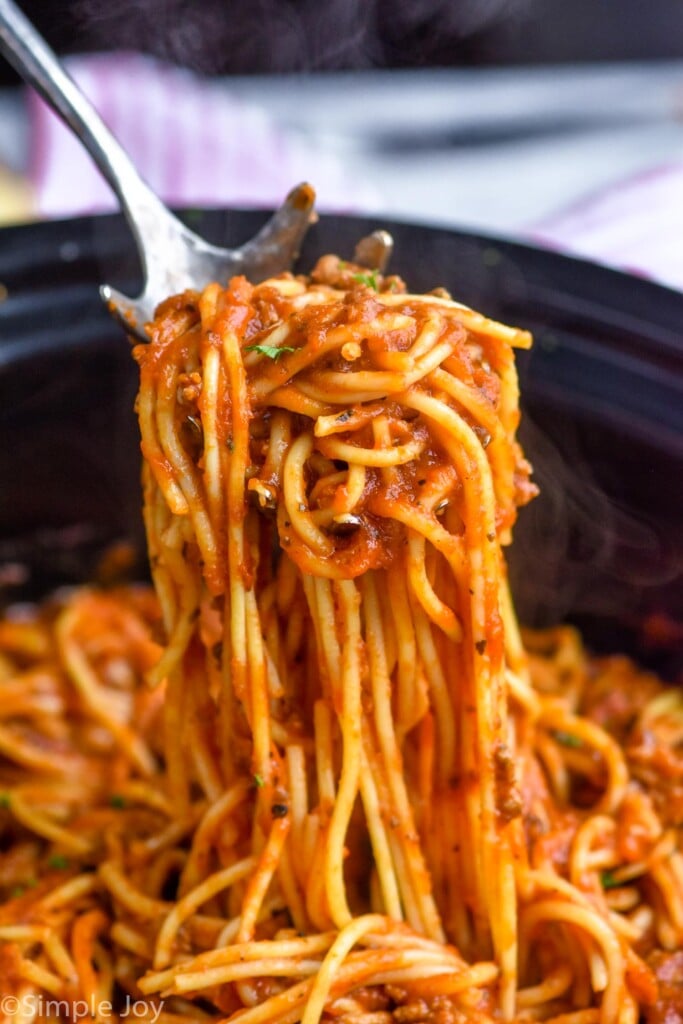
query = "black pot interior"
{"x": 602, "y": 400}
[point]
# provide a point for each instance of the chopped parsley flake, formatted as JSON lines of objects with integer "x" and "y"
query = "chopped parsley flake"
{"x": 19, "y": 890}
{"x": 370, "y": 279}
{"x": 567, "y": 739}
{"x": 258, "y": 781}
{"x": 58, "y": 861}
{"x": 117, "y": 801}
{"x": 608, "y": 880}
{"x": 272, "y": 351}
{"x": 5, "y": 800}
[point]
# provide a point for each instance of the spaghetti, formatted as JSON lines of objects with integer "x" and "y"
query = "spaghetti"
{"x": 319, "y": 774}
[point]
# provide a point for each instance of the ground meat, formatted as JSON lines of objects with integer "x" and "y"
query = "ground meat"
{"x": 658, "y": 767}
{"x": 668, "y": 968}
{"x": 617, "y": 695}
{"x": 508, "y": 800}
{"x": 10, "y": 962}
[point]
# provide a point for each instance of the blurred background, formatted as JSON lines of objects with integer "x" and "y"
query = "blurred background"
{"x": 560, "y": 123}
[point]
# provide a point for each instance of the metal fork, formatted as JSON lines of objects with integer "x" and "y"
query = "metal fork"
{"x": 173, "y": 257}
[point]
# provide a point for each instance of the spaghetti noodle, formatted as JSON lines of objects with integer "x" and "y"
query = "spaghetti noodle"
{"x": 319, "y": 774}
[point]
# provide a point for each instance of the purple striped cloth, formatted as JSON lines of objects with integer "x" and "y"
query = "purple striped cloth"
{"x": 197, "y": 144}
{"x": 635, "y": 224}
{"x": 194, "y": 142}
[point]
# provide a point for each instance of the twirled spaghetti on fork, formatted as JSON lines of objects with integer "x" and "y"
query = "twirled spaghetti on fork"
{"x": 344, "y": 789}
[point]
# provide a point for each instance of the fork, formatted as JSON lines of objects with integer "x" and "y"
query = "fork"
{"x": 173, "y": 257}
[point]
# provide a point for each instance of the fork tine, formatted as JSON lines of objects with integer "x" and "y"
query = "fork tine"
{"x": 277, "y": 244}
{"x": 123, "y": 309}
{"x": 374, "y": 251}
{"x": 271, "y": 251}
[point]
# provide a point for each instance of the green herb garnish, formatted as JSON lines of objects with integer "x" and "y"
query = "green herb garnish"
{"x": 609, "y": 881}
{"x": 19, "y": 890}
{"x": 258, "y": 781}
{"x": 117, "y": 801}
{"x": 567, "y": 739}
{"x": 58, "y": 861}
{"x": 272, "y": 351}
{"x": 5, "y": 801}
{"x": 370, "y": 279}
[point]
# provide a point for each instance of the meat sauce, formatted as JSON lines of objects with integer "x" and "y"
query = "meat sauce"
{"x": 369, "y": 538}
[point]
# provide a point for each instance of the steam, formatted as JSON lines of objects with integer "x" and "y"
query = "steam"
{"x": 577, "y": 550}
{"x": 246, "y": 36}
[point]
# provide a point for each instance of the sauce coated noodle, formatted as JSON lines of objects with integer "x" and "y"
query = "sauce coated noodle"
{"x": 319, "y": 773}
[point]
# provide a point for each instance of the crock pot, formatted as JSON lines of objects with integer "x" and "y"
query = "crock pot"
{"x": 602, "y": 399}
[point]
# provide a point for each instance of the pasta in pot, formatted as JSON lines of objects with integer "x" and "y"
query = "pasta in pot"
{"x": 320, "y": 774}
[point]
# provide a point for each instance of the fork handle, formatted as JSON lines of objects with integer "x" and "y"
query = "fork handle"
{"x": 27, "y": 51}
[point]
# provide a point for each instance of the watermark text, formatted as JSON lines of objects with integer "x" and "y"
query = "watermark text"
{"x": 75, "y": 1010}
